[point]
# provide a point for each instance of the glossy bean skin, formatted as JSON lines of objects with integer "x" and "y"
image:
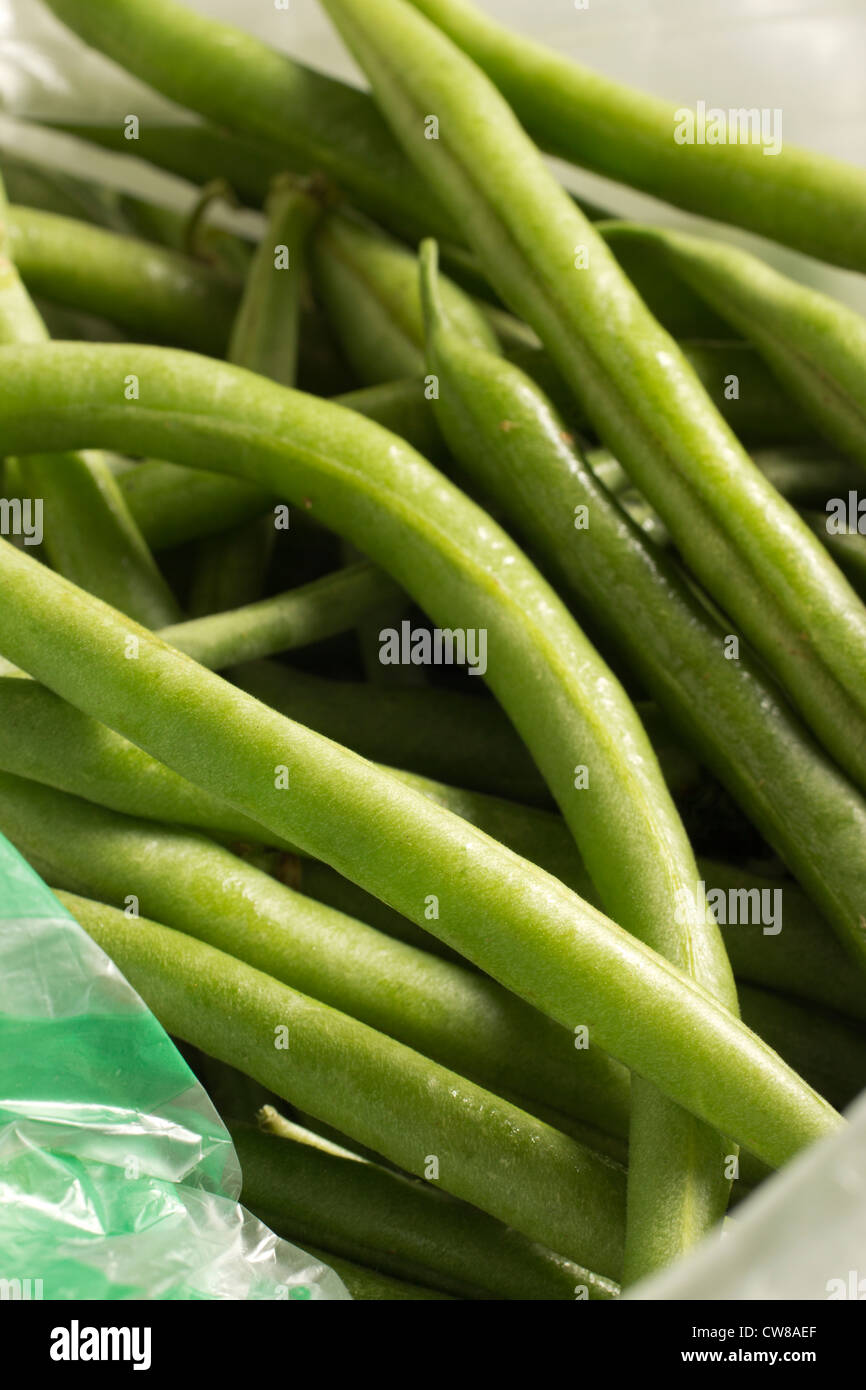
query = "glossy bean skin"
{"x": 408, "y": 1229}
{"x": 732, "y": 714}
{"x": 752, "y": 553}
{"x": 517, "y": 923}
{"x": 452, "y": 1014}
{"x": 815, "y": 345}
{"x": 163, "y": 293}
{"x": 235, "y": 80}
{"x": 89, "y": 534}
{"x": 807, "y": 200}
{"x": 372, "y": 1088}
{"x": 669, "y": 1153}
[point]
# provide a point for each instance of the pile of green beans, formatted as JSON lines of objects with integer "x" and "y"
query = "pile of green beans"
{"x": 571, "y": 930}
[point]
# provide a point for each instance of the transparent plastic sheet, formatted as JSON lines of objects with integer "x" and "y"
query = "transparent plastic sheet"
{"x": 118, "y": 1179}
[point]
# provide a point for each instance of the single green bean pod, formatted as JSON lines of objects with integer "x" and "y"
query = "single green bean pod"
{"x": 427, "y": 1119}
{"x": 407, "y": 1229}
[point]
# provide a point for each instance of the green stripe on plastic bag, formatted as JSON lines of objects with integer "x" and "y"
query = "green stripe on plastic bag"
{"x": 118, "y": 1179}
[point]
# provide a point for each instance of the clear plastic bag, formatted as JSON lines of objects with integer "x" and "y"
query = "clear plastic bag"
{"x": 118, "y": 1179}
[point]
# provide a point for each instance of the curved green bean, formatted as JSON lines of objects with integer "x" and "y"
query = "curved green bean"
{"x": 405, "y": 1228}
{"x": 752, "y": 552}
{"x": 800, "y": 197}
{"x": 373, "y": 1088}
{"x": 730, "y": 711}
{"x": 212, "y": 502}
{"x": 161, "y": 292}
{"x": 517, "y": 923}
{"x": 668, "y": 1151}
{"x": 448, "y": 555}
{"x": 454, "y": 1015}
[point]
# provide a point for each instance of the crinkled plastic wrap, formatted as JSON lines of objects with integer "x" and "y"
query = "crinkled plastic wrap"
{"x": 118, "y": 1179}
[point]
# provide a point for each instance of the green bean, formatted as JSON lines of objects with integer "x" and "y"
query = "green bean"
{"x": 368, "y": 1285}
{"x": 46, "y": 739}
{"x": 457, "y": 1017}
{"x": 314, "y": 122}
{"x": 446, "y": 735}
{"x": 310, "y": 613}
{"x": 802, "y": 960}
{"x": 517, "y": 923}
{"x": 815, "y": 345}
{"x": 368, "y": 286}
{"x": 799, "y": 197}
{"x": 760, "y": 414}
{"x": 89, "y": 534}
{"x": 264, "y": 335}
{"x": 159, "y": 292}
{"x": 459, "y": 566}
{"x": 407, "y": 1229}
{"x": 735, "y": 533}
{"x": 668, "y": 1151}
{"x": 432, "y": 731}
{"x": 211, "y": 502}
{"x": 373, "y": 1088}
{"x": 53, "y": 190}
{"x": 827, "y": 1049}
{"x": 730, "y": 712}
{"x": 806, "y": 476}
{"x": 231, "y": 569}
{"x": 848, "y": 549}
